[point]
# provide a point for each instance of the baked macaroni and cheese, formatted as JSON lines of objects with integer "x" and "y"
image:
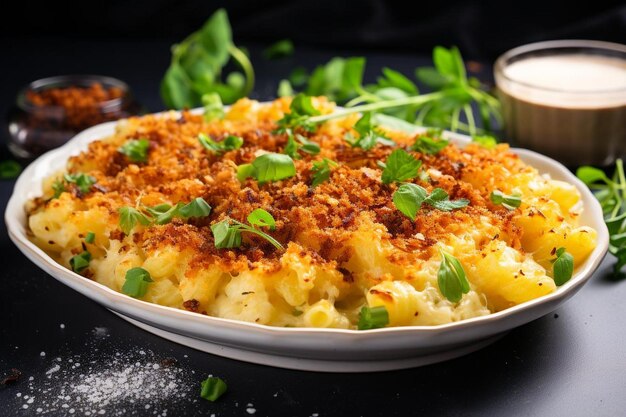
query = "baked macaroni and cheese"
{"x": 261, "y": 216}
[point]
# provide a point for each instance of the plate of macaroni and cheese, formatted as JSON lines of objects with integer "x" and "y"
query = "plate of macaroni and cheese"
{"x": 320, "y": 241}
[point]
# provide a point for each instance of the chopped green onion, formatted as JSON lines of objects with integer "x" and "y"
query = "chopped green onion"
{"x": 80, "y": 262}
{"x": 212, "y": 388}
{"x": 90, "y": 238}
{"x": 373, "y": 318}
{"x": 137, "y": 280}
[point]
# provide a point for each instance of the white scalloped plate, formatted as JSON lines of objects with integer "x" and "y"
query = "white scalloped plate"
{"x": 329, "y": 350}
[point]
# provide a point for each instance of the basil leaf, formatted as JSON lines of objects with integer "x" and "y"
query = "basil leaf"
{"x": 260, "y": 217}
{"x": 245, "y": 171}
{"x": 451, "y": 278}
{"x": 158, "y": 209}
{"x": 273, "y": 167}
{"x": 408, "y": 198}
{"x": 400, "y": 166}
{"x": 136, "y": 150}
{"x": 197, "y": 207}
{"x": 590, "y": 175}
{"x": 369, "y": 136}
{"x": 129, "y": 217}
{"x": 563, "y": 267}
{"x": 137, "y": 281}
{"x": 225, "y": 235}
{"x": 438, "y": 199}
{"x": 231, "y": 143}
{"x": 176, "y": 89}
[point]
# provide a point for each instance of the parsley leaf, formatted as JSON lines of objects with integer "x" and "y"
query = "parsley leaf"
{"x": 129, "y": 217}
{"x": 82, "y": 181}
{"x": 321, "y": 171}
{"x": 400, "y": 166}
{"x": 197, "y": 207}
{"x": 368, "y": 134}
{"x": 451, "y": 278}
{"x": 300, "y": 111}
{"x": 409, "y": 198}
{"x": 563, "y": 267}
{"x": 137, "y": 281}
{"x": 297, "y": 142}
{"x": 430, "y": 143}
{"x": 511, "y": 202}
{"x": 58, "y": 187}
{"x": 136, "y": 150}
{"x": 231, "y": 143}
{"x": 213, "y": 106}
{"x": 226, "y": 236}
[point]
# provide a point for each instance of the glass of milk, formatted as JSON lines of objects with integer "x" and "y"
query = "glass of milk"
{"x": 566, "y": 99}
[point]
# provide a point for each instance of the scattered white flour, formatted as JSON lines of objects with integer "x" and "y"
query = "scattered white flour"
{"x": 42, "y": 354}
{"x": 121, "y": 383}
{"x": 62, "y": 326}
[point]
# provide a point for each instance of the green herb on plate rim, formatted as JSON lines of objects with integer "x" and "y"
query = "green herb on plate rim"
{"x": 562, "y": 267}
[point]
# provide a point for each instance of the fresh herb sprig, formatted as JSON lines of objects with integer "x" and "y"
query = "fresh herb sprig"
{"x": 227, "y": 233}
{"x": 267, "y": 168}
{"x": 197, "y": 65}
{"x": 400, "y": 166}
{"x": 430, "y": 143}
{"x": 82, "y": 181}
{"x": 297, "y": 143}
{"x": 368, "y": 134}
{"x": 562, "y": 267}
{"x": 409, "y": 198}
{"x": 611, "y": 193}
{"x": 230, "y": 143}
{"x": 510, "y": 202}
{"x": 451, "y": 278}
{"x": 321, "y": 171}
{"x": 136, "y": 150}
{"x": 161, "y": 214}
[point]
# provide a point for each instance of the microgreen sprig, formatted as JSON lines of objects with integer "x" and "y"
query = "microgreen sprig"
{"x": 409, "y": 198}
{"x": 227, "y": 233}
{"x": 611, "y": 193}
{"x": 161, "y": 213}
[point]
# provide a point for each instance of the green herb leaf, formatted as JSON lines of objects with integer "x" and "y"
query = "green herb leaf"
{"x": 245, "y": 171}
{"x": 488, "y": 142}
{"x": 129, "y": 217}
{"x": 225, "y": 235}
{"x": 297, "y": 142}
{"x": 400, "y": 166}
{"x": 136, "y": 150}
{"x": 197, "y": 207}
{"x": 511, "y": 202}
{"x": 338, "y": 80}
{"x": 300, "y": 111}
{"x": 280, "y": 49}
{"x": 285, "y": 89}
{"x": 82, "y": 181}
{"x": 213, "y": 106}
{"x": 212, "y": 388}
{"x": 9, "y": 169}
{"x": 273, "y": 167}
{"x": 90, "y": 238}
{"x": 261, "y": 218}
{"x": 590, "y": 175}
{"x": 321, "y": 171}
{"x": 408, "y": 198}
{"x": 299, "y": 76}
{"x": 231, "y": 143}
{"x": 368, "y": 134}
{"x": 137, "y": 281}
{"x": 197, "y": 67}
{"x": 451, "y": 278}
{"x": 563, "y": 267}
{"x": 80, "y": 262}
{"x": 429, "y": 145}
{"x": 373, "y": 318}
{"x": 58, "y": 187}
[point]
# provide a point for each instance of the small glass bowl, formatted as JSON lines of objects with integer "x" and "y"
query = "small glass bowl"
{"x": 37, "y": 128}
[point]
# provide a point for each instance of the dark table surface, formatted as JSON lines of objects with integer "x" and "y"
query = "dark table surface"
{"x": 571, "y": 363}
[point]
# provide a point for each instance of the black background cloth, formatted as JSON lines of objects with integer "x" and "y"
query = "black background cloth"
{"x": 482, "y": 30}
